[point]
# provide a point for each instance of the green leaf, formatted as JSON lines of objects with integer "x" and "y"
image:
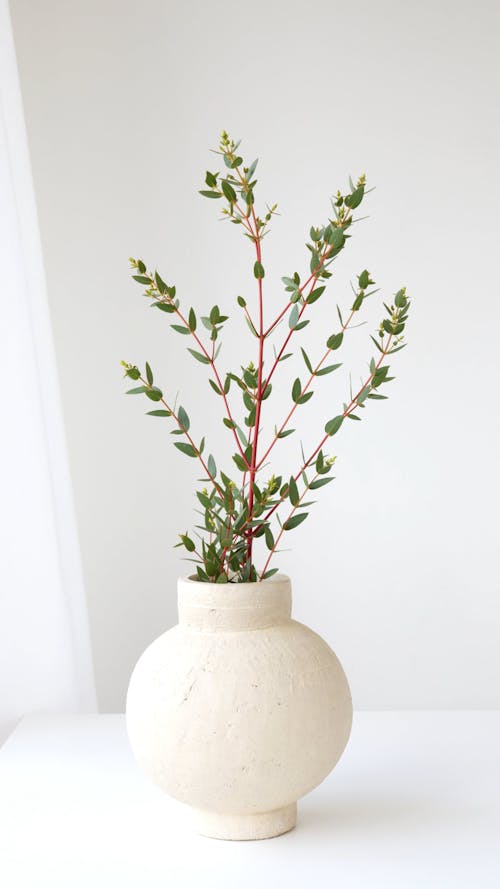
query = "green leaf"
{"x": 335, "y": 341}
{"x": 305, "y": 397}
{"x": 188, "y": 543}
{"x": 192, "y": 320}
{"x": 229, "y": 191}
{"x": 180, "y": 329}
{"x": 185, "y": 448}
{"x": 285, "y": 433}
{"x": 222, "y": 578}
{"x": 240, "y": 463}
{"x": 211, "y": 179}
{"x": 133, "y": 372}
{"x": 162, "y": 287}
{"x": 149, "y": 374}
{"x": 258, "y": 270}
{"x": 268, "y": 534}
{"x": 269, "y": 573}
{"x": 241, "y": 302}
{"x": 141, "y": 279}
{"x": 210, "y": 194}
{"x": 183, "y": 418}
{"x": 327, "y": 370}
{"x": 380, "y": 375}
{"x": 319, "y": 482}
{"x": 334, "y": 425}
{"x": 214, "y": 386}
{"x": 296, "y": 390}
{"x": 211, "y": 466}
{"x": 353, "y": 200}
{"x": 154, "y": 394}
{"x": 363, "y": 395}
{"x": 293, "y": 491}
{"x": 164, "y": 307}
{"x": 364, "y": 279}
{"x": 379, "y": 347}
{"x": 315, "y": 295}
{"x": 204, "y": 500}
{"x": 203, "y": 360}
{"x": 306, "y": 359}
{"x": 336, "y": 239}
{"x": 159, "y": 413}
{"x": 138, "y": 390}
{"x": 294, "y": 521}
{"x": 293, "y": 317}
{"x": 251, "y": 170}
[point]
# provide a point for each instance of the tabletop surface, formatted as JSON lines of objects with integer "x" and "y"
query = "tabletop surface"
{"x": 414, "y": 802}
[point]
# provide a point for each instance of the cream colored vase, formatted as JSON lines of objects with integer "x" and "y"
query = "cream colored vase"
{"x": 238, "y": 710}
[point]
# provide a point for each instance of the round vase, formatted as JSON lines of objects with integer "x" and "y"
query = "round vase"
{"x": 238, "y": 710}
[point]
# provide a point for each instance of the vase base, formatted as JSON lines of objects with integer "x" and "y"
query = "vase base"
{"x": 258, "y": 826}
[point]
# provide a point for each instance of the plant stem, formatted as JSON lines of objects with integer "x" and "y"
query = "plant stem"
{"x": 348, "y": 410}
{"x": 303, "y": 392}
{"x": 273, "y": 550}
{"x": 258, "y": 397}
{"x": 190, "y": 440}
{"x": 211, "y": 359}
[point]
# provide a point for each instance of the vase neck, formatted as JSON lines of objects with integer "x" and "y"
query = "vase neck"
{"x": 211, "y": 607}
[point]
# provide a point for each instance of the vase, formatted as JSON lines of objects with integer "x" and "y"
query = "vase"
{"x": 238, "y": 710}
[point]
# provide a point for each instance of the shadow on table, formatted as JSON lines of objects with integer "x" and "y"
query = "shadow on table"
{"x": 369, "y": 813}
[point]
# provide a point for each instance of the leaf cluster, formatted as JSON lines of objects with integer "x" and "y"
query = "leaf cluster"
{"x": 247, "y": 510}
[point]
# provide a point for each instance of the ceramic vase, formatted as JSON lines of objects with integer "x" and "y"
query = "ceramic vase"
{"x": 238, "y": 710}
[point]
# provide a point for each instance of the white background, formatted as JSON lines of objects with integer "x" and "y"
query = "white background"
{"x": 397, "y": 565}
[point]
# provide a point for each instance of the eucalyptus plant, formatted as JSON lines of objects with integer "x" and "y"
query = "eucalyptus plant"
{"x": 246, "y": 503}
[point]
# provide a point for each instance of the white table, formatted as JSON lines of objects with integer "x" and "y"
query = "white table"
{"x": 415, "y": 802}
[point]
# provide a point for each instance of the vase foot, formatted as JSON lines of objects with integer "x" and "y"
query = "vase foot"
{"x": 258, "y": 826}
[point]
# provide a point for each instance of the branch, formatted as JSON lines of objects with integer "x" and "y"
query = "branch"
{"x": 348, "y": 410}
{"x": 190, "y": 440}
{"x": 210, "y": 357}
{"x": 283, "y": 527}
{"x": 303, "y": 392}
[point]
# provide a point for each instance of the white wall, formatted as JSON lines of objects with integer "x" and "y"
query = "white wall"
{"x": 397, "y": 566}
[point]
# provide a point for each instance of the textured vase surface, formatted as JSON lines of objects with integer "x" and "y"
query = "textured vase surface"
{"x": 238, "y": 710}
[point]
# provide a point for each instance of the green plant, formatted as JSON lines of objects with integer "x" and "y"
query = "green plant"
{"x": 236, "y": 513}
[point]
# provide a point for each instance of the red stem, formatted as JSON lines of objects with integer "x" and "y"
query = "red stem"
{"x": 304, "y": 390}
{"x": 325, "y": 438}
{"x": 253, "y": 464}
{"x": 211, "y": 359}
{"x": 273, "y": 550}
{"x": 190, "y": 440}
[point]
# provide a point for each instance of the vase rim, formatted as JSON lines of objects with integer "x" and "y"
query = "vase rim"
{"x": 219, "y": 606}
{"x": 192, "y": 580}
